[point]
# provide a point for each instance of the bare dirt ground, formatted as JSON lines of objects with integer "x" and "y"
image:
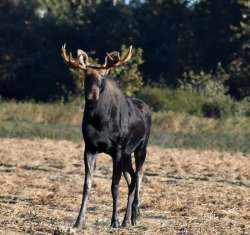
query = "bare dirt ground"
{"x": 183, "y": 192}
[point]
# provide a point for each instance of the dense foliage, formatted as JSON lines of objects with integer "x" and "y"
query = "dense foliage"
{"x": 180, "y": 41}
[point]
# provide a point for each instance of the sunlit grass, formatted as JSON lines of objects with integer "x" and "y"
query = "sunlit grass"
{"x": 70, "y": 113}
{"x": 28, "y": 129}
{"x": 202, "y": 140}
{"x": 181, "y": 122}
{"x": 169, "y": 129}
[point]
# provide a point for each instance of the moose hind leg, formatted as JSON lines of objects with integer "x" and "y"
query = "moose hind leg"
{"x": 130, "y": 178}
{"x": 140, "y": 156}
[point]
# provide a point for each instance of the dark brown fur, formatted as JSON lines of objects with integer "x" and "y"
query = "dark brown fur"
{"x": 119, "y": 126}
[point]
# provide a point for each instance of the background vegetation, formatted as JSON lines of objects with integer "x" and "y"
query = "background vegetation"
{"x": 170, "y": 129}
{"x": 179, "y": 39}
{"x": 190, "y": 63}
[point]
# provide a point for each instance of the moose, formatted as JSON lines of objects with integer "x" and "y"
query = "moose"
{"x": 113, "y": 124}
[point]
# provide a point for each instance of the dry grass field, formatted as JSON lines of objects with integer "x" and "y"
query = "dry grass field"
{"x": 184, "y": 192}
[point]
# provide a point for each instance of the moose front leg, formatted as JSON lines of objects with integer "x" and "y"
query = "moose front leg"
{"x": 89, "y": 161}
{"x": 117, "y": 172}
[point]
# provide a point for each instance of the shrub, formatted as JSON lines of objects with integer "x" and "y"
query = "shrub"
{"x": 219, "y": 106}
{"x": 165, "y": 99}
{"x": 153, "y": 97}
{"x": 212, "y": 86}
{"x": 242, "y": 108}
{"x": 213, "y": 110}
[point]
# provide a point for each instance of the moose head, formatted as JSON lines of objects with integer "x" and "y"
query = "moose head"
{"x": 95, "y": 73}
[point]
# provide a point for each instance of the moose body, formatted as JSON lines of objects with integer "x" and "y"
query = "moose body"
{"x": 119, "y": 126}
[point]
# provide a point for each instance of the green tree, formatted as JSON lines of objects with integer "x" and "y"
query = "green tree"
{"x": 109, "y": 27}
{"x": 31, "y": 67}
{"x": 165, "y": 36}
{"x": 72, "y": 12}
{"x": 215, "y": 24}
{"x": 240, "y": 67}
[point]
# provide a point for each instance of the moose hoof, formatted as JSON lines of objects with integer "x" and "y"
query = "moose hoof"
{"x": 135, "y": 215}
{"x": 133, "y": 222}
{"x": 79, "y": 223}
{"x": 115, "y": 224}
{"x": 76, "y": 225}
{"x": 125, "y": 223}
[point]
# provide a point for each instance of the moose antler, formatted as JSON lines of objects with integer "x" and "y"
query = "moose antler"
{"x": 113, "y": 59}
{"x": 78, "y": 62}
{"x": 81, "y": 62}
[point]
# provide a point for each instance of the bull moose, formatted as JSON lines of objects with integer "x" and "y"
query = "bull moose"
{"x": 113, "y": 124}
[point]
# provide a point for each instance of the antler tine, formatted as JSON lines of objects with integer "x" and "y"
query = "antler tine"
{"x": 64, "y": 54}
{"x": 81, "y": 56}
{"x": 128, "y": 56}
{"x": 113, "y": 59}
{"x": 71, "y": 61}
{"x": 109, "y": 56}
